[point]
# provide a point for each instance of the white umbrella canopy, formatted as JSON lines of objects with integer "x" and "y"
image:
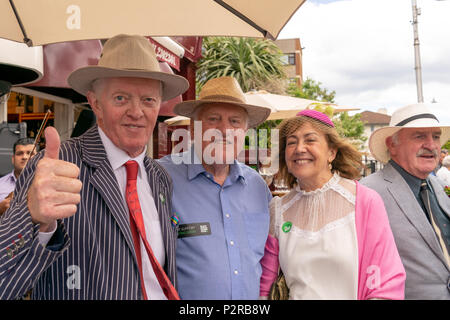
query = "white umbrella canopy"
{"x": 283, "y": 107}
{"x": 178, "y": 121}
{"x": 287, "y": 106}
{"x": 41, "y": 22}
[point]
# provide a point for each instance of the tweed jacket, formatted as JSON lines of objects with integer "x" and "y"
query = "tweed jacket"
{"x": 427, "y": 274}
{"x": 96, "y": 257}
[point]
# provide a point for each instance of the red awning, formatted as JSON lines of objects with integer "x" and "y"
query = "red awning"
{"x": 164, "y": 54}
{"x": 60, "y": 59}
{"x": 167, "y": 106}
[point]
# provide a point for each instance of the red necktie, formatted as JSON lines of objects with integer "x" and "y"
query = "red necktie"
{"x": 138, "y": 231}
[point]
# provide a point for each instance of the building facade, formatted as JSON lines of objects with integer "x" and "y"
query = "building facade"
{"x": 372, "y": 121}
{"x": 292, "y": 58}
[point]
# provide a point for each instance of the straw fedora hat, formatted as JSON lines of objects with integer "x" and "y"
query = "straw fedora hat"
{"x": 224, "y": 90}
{"x": 410, "y": 116}
{"x": 128, "y": 56}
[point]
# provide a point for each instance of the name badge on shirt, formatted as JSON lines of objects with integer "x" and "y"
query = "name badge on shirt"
{"x": 194, "y": 229}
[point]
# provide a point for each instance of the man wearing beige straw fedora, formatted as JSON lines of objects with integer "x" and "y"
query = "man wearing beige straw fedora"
{"x": 221, "y": 205}
{"x": 90, "y": 217}
{"x": 417, "y": 206}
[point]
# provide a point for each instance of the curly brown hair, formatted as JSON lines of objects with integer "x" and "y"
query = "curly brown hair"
{"x": 348, "y": 160}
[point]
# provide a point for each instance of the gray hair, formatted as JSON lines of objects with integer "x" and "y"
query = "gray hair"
{"x": 97, "y": 86}
{"x": 394, "y": 138}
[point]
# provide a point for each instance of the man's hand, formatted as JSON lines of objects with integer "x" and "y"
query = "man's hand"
{"x": 55, "y": 190}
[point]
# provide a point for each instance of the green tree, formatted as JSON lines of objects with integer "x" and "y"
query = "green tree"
{"x": 252, "y": 62}
{"x": 350, "y": 127}
{"x": 446, "y": 145}
{"x": 312, "y": 90}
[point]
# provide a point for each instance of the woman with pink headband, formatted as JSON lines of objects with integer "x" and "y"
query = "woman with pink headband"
{"x": 329, "y": 235}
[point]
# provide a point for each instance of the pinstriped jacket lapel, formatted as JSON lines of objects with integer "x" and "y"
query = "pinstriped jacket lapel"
{"x": 104, "y": 181}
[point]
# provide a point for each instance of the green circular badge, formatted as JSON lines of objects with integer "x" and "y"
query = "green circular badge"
{"x": 287, "y": 226}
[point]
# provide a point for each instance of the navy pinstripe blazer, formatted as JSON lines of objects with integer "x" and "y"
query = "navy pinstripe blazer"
{"x": 97, "y": 260}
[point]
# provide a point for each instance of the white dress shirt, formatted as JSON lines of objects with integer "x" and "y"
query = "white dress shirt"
{"x": 117, "y": 159}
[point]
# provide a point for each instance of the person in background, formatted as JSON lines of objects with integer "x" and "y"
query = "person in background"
{"x": 444, "y": 153}
{"x": 330, "y": 235}
{"x": 444, "y": 172}
{"x": 90, "y": 217}
{"x": 221, "y": 206}
{"x": 22, "y": 152}
{"x": 417, "y": 206}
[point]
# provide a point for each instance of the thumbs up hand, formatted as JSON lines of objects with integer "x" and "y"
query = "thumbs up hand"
{"x": 55, "y": 190}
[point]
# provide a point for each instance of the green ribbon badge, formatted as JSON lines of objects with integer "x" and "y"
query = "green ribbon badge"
{"x": 286, "y": 226}
{"x": 162, "y": 198}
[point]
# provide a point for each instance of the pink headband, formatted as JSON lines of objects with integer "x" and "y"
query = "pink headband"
{"x": 319, "y": 116}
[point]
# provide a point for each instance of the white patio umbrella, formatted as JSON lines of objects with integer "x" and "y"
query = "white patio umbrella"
{"x": 287, "y": 106}
{"x": 282, "y": 106}
{"x": 39, "y": 22}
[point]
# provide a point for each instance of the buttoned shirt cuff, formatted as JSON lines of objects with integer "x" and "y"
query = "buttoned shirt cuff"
{"x": 44, "y": 237}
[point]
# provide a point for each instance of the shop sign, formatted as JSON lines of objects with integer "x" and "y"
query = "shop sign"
{"x": 163, "y": 54}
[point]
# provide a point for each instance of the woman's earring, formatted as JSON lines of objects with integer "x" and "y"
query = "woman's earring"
{"x": 330, "y": 166}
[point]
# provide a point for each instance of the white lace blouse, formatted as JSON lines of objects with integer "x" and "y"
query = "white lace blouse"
{"x": 318, "y": 248}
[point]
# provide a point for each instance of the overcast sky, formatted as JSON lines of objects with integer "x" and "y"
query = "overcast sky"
{"x": 363, "y": 49}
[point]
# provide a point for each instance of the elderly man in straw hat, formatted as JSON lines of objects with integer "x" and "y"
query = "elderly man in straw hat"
{"x": 417, "y": 206}
{"x": 222, "y": 205}
{"x": 77, "y": 227}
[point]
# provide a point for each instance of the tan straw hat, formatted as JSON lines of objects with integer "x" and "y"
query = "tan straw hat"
{"x": 128, "y": 56}
{"x": 411, "y": 116}
{"x": 224, "y": 90}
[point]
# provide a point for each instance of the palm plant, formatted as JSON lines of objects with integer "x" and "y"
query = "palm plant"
{"x": 252, "y": 62}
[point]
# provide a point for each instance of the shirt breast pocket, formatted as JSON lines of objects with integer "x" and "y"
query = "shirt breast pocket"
{"x": 257, "y": 230}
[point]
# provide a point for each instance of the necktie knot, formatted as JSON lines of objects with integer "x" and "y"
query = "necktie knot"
{"x": 132, "y": 169}
{"x": 423, "y": 185}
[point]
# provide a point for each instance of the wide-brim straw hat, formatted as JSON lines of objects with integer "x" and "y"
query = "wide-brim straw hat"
{"x": 224, "y": 90}
{"x": 411, "y": 116}
{"x": 128, "y": 56}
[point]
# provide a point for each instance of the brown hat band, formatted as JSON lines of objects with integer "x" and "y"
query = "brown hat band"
{"x": 222, "y": 97}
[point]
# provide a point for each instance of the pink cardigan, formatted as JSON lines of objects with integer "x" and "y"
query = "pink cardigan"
{"x": 380, "y": 271}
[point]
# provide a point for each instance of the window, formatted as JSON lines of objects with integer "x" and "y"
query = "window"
{"x": 288, "y": 58}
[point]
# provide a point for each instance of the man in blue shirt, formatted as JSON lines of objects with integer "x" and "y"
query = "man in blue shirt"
{"x": 221, "y": 206}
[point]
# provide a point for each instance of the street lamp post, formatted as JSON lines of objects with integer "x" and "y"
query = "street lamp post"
{"x": 417, "y": 64}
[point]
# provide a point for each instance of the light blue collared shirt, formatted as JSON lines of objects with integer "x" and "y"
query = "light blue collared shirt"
{"x": 7, "y": 184}
{"x": 226, "y": 263}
